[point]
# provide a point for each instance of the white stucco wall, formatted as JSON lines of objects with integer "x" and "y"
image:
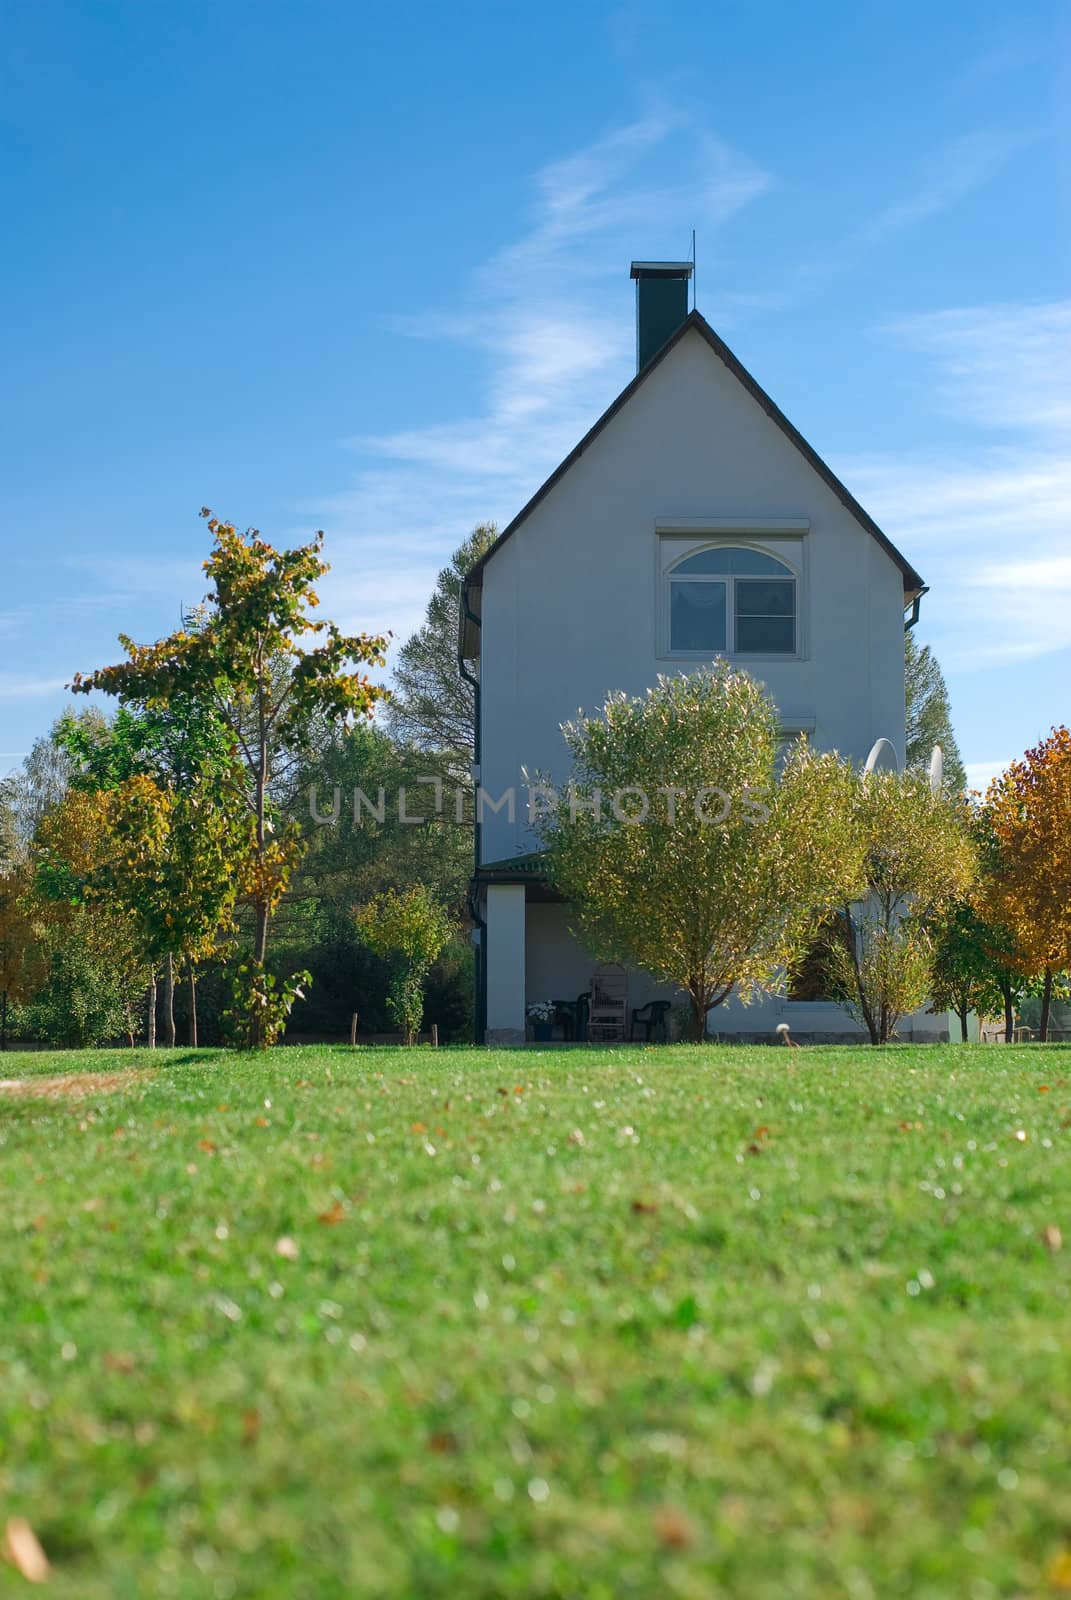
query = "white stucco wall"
{"x": 571, "y": 601}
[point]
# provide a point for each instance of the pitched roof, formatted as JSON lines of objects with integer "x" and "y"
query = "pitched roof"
{"x": 913, "y": 583}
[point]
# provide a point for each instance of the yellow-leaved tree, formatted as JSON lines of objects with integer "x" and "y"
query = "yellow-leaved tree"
{"x": 680, "y": 848}
{"x": 272, "y": 677}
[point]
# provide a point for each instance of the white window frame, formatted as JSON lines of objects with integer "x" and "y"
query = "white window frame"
{"x": 783, "y": 539}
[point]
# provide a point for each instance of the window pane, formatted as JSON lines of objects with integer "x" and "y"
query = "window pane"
{"x": 767, "y": 636}
{"x": 757, "y": 599}
{"x": 706, "y": 561}
{"x": 697, "y": 616}
{"x": 730, "y": 559}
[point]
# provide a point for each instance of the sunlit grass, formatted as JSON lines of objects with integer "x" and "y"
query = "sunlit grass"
{"x": 675, "y": 1321}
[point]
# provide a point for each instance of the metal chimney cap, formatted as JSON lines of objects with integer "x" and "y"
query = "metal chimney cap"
{"x": 661, "y": 269}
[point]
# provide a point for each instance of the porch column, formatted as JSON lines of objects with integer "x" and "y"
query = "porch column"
{"x": 505, "y": 963}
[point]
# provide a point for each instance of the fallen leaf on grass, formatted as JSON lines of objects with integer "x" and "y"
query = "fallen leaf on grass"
{"x": 443, "y": 1444}
{"x": 645, "y": 1207}
{"x": 250, "y": 1426}
{"x": 1052, "y": 1238}
{"x": 1058, "y": 1572}
{"x": 673, "y": 1529}
{"x": 335, "y": 1212}
{"x": 23, "y": 1549}
{"x": 287, "y": 1247}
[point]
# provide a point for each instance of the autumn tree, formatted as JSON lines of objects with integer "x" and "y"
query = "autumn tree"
{"x": 916, "y": 860}
{"x": 270, "y": 673}
{"x": 677, "y": 850}
{"x": 23, "y": 965}
{"x": 928, "y": 714}
{"x": 98, "y": 968}
{"x": 432, "y": 705}
{"x": 409, "y": 930}
{"x": 173, "y": 856}
{"x": 1028, "y": 889}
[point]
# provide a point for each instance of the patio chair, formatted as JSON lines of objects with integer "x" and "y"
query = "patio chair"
{"x": 649, "y": 1017}
{"x": 608, "y": 1008}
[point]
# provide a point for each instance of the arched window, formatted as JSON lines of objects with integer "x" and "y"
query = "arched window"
{"x": 728, "y": 600}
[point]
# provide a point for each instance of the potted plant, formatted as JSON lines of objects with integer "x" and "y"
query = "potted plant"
{"x": 541, "y": 1015}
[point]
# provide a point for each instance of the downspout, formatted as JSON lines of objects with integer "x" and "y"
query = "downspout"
{"x": 468, "y": 615}
{"x": 916, "y": 601}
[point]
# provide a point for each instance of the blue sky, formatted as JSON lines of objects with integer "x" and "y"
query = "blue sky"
{"x": 366, "y": 268}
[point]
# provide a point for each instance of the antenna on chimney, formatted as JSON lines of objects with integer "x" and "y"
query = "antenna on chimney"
{"x": 693, "y": 269}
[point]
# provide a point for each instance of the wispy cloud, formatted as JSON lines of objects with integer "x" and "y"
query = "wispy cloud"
{"x": 550, "y": 316}
{"x": 945, "y": 177}
{"x": 940, "y": 180}
{"x": 989, "y": 523}
{"x": 1001, "y": 366}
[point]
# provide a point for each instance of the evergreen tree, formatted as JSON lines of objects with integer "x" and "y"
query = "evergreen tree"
{"x": 432, "y": 706}
{"x": 928, "y": 714}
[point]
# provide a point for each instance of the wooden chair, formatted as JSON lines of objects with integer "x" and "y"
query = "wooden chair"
{"x": 608, "y": 1007}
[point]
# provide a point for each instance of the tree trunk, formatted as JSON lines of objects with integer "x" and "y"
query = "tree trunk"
{"x": 150, "y": 1020}
{"x": 1009, "y": 1014}
{"x": 169, "y": 1001}
{"x": 699, "y": 1018}
{"x": 193, "y": 1005}
{"x": 1046, "y": 1006}
{"x": 3, "y": 1020}
{"x": 963, "y": 1012}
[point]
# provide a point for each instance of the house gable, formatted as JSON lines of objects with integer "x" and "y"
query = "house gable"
{"x": 912, "y": 582}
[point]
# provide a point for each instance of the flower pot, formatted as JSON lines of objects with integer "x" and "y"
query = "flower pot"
{"x": 542, "y": 1032}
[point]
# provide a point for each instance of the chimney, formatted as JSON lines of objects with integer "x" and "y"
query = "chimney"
{"x": 661, "y": 304}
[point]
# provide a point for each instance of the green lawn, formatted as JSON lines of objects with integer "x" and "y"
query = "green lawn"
{"x": 671, "y": 1322}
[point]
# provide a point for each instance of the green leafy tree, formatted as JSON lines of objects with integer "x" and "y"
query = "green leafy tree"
{"x": 362, "y": 846}
{"x": 968, "y": 972}
{"x": 409, "y": 930}
{"x": 10, "y": 845}
{"x": 247, "y": 660}
{"x": 916, "y": 860}
{"x": 677, "y": 850}
{"x": 431, "y": 705}
{"x": 39, "y": 785}
{"x": 929, "y": 715}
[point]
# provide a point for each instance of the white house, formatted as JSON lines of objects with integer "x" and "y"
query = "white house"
{"x": 639, "y": 556}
